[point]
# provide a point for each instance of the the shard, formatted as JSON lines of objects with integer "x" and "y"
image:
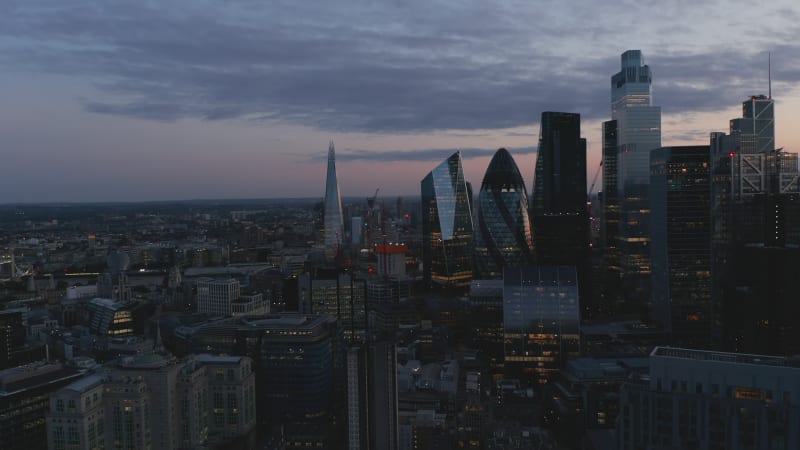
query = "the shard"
{"x": 334, "y": 222}
{"x": 503, "y": 231}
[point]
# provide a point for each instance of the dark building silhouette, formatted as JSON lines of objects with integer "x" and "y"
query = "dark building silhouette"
{"x": 298, "y": 359}
{"x": 558, "y": 208}
{"x": 680, "y": 231}
{"x": 372, "y": 412}
{"x": 447, "y": 234}
{"x": 503, "y": 229}
{"x": 755, "y": 235}
{"x": 24, "y": 400}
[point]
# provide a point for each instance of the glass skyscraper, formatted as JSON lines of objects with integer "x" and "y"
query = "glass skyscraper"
{"x": 503, "y": 232}
{"x": 334, "y": 221}
{"x": 558, "y": 210}
{"x": 638, "y": 132}
{"x": 680, "y": 229}
{"x": 541, "y": 319}
{"x": 755, "y": 231}
{"x": 447, "y": 225}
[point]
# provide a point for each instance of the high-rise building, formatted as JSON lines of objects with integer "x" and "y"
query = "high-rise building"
{"x": 638, "y": 131}
{"x": 372, "y": 397}
{"x": 755, "y": 235}
{"x": 559, "y": 213}
{"x": 334, "y": 219}
{"x": 503, "y": 229}
{"x": 680, "y": 230}
{"x": 447, "y": 231}
{"x": 711, "y": 400}
{"x": 341, "y": 296}
{"x": 541, "y": 319}
{"x": 558, "y": 207}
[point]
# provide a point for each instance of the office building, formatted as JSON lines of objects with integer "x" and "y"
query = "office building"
{"x": 541, "y": 319}
{"x": 485, "y": 320}
{"x": 372, "y": 397}
{"x": 680, "y": 230}
{"x": 447, "y": 233}
{"x": 711, "y": 401}
{"x": 154, "y": 401}
{"x": 559, "y": 212}
{"x": 341, "y": 296}
{"x": 216, "y": 296}
{"x": 298, "y": 360}
{"x": 334, "y": 220}
{"x": 503, "y": 229}
{"x": 638, "y": 131}
{"x": 755, "y": 235}
{"x": 24, "y": 400}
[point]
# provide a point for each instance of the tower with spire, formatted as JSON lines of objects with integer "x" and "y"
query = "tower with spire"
{"x": 334, "y": 222}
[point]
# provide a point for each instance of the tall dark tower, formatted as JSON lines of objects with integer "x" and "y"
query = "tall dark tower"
{"x": 558, "y": 210}
{"x": 680, "y": 250}
{"x": 755, "y": 235}
{"x": 503, "y": 228}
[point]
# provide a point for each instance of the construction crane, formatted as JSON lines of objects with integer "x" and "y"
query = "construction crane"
{"x": 594, "y": 181}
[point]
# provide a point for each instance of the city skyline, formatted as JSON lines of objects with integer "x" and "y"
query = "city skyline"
{"x": 198, "y": 100}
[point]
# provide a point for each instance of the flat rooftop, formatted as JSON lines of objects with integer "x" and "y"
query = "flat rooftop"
{"x": 734, "y": 358}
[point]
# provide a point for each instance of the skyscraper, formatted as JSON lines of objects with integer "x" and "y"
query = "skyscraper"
{"x": 680, "y": 229}
{"x": 447, "y": 225}
{"x": 755, "y": 235}
{"x": 638, "y": 132}
{"x": 503, "y": 232}
{"x": 334, "y": 220}
{"x": 558, "y": 209}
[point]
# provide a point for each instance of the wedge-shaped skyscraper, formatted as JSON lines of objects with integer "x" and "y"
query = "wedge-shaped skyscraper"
{"x": 503, "y": 231}
{"x": 447, "y": 224}
{"x": 334, "y": 223}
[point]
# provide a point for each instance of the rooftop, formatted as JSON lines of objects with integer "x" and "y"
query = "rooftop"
{"x": 734, "y": 358}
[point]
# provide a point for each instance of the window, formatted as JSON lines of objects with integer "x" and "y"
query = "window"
{"x": 58, "y": 438}
{"x": 60, "y": 406}
{"x": 72, "y": 436}
{"x": 71, "y": 406}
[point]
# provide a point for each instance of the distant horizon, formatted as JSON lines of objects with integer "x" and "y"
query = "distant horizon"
{"x": 196, "y": 100}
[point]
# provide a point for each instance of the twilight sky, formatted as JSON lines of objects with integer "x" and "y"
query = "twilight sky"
{"x": 185, "y": 99}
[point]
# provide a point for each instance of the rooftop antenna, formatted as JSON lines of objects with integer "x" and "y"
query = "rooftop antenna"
{"x": 769, "y": 73}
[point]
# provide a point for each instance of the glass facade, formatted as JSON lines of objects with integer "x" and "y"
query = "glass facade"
{"x": 755, "y": 223}
{"x": 334, "y": 221}
{"x": 447, "y": 225}
{"x": 503, "y": 232}
{"x": 541, "y": 319}
{"x": 680, "y": 227}
{"x": 559, "y": 212}
{"x": 638, "y": 132}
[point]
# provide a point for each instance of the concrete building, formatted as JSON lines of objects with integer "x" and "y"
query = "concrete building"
{"x": 155, "y": 401}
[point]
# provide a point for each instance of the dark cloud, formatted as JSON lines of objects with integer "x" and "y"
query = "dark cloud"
{"x": 361, "y": 65}
{"x": 427, "y": 154}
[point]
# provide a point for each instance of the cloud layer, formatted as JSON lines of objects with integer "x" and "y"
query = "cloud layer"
{"x": 392, "y": 67}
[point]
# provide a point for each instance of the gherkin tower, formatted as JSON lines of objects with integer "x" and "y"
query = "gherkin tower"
{"x": 503, "y": 231}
